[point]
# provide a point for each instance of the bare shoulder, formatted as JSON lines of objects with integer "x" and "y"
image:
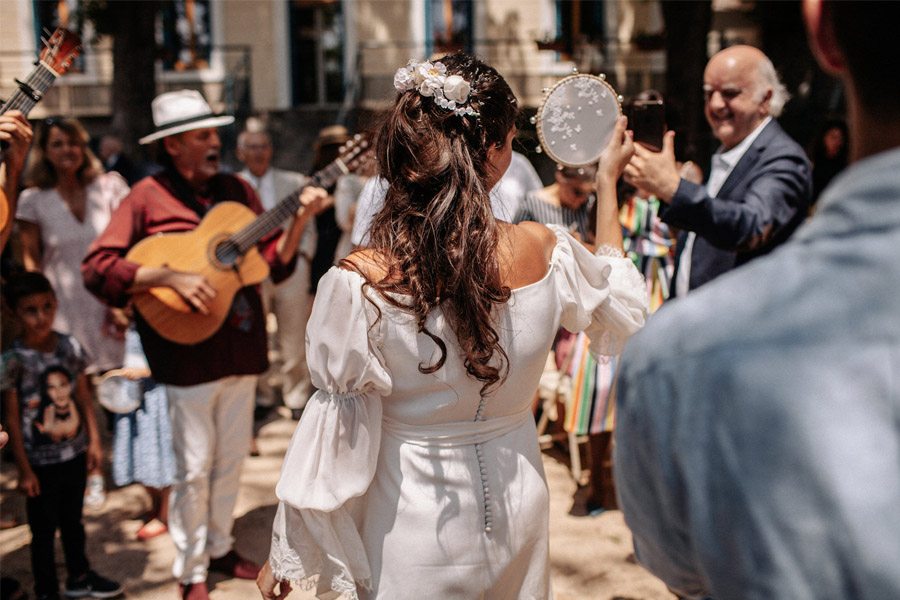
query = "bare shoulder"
{"x": 531, "y": 232}
{"x": 367, "y": 262}
{"x": 526, "y": 255}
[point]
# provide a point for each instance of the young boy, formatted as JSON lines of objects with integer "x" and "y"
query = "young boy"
{"x": 44, "y": 369}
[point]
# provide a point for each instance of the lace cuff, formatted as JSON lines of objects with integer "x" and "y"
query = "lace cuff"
{"x": 607, "y": 250}
{"x": 295, "y": 557}
{"x": 628, "y": 301}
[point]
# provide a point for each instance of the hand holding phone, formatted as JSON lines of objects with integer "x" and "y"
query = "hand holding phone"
{"x": 647, "y": 119}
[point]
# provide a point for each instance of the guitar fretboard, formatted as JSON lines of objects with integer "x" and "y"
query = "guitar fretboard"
{"x": 247, "y": 237}
{"x": 31, "y": 90}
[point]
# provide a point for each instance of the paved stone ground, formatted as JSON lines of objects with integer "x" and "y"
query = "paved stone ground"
{"x": 589, "y": 555}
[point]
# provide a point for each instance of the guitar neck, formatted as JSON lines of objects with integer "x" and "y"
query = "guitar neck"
{"x": 248, "y": 237}
{"x": 31, "y": 90}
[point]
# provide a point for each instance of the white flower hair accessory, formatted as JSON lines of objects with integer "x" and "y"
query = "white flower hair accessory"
{"x": 430, "y": 79}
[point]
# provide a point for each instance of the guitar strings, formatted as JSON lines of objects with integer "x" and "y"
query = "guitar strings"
{"x": 247, "y": 237}
{"x": 40, "y": 80}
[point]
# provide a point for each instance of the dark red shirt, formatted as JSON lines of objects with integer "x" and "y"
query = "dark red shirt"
{"x": 239, "y": 347}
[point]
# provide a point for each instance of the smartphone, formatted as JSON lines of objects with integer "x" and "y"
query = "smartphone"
{"x": 647, "y": 119}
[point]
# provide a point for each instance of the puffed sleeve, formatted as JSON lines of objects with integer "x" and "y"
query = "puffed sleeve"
{"x": 115, "y": 188}
{"x": 604, "y": 296}
{"x": 332, "y": 456}
{"x": 27, "y": 208}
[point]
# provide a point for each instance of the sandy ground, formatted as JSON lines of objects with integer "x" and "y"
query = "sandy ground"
{"x": 589, "y": 555}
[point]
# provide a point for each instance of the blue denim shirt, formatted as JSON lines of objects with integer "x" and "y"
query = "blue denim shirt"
{"x": 758, "y": 436}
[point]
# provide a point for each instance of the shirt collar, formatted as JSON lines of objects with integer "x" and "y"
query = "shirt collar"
{"x": 731, "y": 157}
{"x": 257, "y": 181}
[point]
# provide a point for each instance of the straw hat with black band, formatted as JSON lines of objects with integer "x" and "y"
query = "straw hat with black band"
{"x": 180, "y": 111}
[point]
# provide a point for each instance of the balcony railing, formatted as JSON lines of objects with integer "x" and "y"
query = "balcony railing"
{"x": 528, "y": 67}
{"x": 86, "y": 90}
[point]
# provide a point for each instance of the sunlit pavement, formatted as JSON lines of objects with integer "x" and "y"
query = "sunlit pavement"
{"x": 589, "y": 555}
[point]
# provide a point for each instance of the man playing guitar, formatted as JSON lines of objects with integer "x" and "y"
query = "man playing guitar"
{"x": 210, "y": 384}
{"x": 15, "y": 137}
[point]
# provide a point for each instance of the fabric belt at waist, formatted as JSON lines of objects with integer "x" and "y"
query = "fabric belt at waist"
{"x": 459, "y": 433}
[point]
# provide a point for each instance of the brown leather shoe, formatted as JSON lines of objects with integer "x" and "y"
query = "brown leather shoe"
{"x": 235, "y": 565}
{"x": 193, "y": 591}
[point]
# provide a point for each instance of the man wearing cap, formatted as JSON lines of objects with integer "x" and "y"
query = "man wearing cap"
{"x": 210, "y": 385}
{"x": 290, "y": 300}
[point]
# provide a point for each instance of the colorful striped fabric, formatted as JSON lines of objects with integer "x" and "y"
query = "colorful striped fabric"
{"x": 591, "y": 407}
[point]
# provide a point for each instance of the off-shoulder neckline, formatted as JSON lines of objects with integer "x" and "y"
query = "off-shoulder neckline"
{"x": 546, "y": 276}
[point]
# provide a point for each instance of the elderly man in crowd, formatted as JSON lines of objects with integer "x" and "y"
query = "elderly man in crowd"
{"x": 290, "y": 301}
{"x": 758, "y": 435}
{"x": 759, "y": 187}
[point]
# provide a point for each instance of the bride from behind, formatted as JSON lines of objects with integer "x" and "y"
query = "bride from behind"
{"x": 415, "y": 471}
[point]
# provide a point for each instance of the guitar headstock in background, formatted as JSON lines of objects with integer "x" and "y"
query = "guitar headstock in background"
{"x": 60, "y": 50}
{"x": 354, "y": 155}
{"x": 357, "y": 154}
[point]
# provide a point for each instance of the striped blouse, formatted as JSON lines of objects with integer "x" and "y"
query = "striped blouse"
{"x": 533, "y": 208}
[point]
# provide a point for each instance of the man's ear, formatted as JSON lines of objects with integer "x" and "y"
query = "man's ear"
{"x": 172, "y": 145}
{"x": 765, "y": 103}
{"x": 822, "y": 41}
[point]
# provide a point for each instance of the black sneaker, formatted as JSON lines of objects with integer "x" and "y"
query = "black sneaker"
{"x": 91, "y": 585}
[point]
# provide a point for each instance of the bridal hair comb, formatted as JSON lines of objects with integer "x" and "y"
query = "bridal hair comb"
{"x": 430, "y": 79}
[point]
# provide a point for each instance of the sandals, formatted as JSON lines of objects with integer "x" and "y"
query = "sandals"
{"x": 151, "y": 529}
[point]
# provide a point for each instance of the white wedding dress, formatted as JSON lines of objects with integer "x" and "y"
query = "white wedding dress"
{"x": 400, "y": 485}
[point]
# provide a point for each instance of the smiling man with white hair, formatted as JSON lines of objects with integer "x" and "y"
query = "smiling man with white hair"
{"x": 759, "y": 186}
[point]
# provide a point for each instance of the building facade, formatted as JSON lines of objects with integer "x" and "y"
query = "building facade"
{"x": 340, "y": 55}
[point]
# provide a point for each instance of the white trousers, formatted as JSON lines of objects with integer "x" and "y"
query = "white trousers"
{"x": 211, "y": 429}
{"x": 290, "y": 302}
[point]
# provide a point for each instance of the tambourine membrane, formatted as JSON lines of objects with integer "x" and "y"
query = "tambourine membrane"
{"x": 577, "y": 118}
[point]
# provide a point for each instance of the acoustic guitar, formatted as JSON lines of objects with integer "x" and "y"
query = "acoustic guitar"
{"x": 223, "y": 249}
{"x": 55, "y": 59}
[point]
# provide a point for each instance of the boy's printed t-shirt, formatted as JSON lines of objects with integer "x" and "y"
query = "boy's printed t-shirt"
{"x": 50, "y": 421}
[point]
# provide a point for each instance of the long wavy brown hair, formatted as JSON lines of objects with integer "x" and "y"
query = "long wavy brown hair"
{"x": 436, "y": 232}
{"x": 42, "y": 174}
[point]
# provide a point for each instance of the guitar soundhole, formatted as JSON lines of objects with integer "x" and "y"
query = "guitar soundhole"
{"x": 227, "y": 253}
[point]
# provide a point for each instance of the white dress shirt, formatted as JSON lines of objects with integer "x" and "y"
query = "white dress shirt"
{"x": 723, "y": 164}
{"x": 264, "y": 186}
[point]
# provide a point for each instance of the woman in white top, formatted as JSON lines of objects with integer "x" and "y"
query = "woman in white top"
{"x": 68, "y": 205}
{"x": 415, "y": 471}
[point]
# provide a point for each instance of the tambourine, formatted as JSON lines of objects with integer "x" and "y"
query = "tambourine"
{"x": 118, "y": 393}
{"x": 577, "y": 118}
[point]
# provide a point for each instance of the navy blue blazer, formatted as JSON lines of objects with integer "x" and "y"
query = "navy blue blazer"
{"x": 765, "y": 198}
